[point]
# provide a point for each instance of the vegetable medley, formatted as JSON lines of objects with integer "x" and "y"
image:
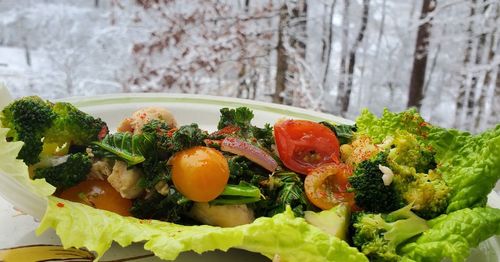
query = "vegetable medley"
{"x": 394, "y": 188}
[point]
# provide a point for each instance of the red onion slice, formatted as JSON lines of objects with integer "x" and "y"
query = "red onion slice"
{"x": 253, "y": 153}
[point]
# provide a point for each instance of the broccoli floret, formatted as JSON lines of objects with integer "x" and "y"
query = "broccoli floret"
{"x": 416, "y": 181}
{"x": 37, "y": 122}
{"x": 67, "y": 174}
{"x": 426, "y": 161}
{"x": 428, "y": 193}
{"x": 407, "y": 156}
{"x": 74, "y": 126}
{"x": 370, "y": 193}
{"x": 28, "y": 119}
{"x": 378, "y": 236}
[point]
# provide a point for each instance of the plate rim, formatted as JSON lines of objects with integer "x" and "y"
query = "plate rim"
{"x": 128, "y": 98}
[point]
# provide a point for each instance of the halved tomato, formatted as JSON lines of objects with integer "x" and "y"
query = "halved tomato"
{"x": 326, "y": 186}
{"x": 304, "y": 145}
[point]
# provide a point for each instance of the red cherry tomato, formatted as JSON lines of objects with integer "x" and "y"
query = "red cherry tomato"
{"x": 99, "y": 194}
{"x": 200, "y": 173}
{"x": 304, "y": 145}
{"x": 326, "y": 186}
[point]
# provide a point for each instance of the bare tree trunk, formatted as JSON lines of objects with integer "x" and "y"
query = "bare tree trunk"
{"x": 299, "y": 13}
{"x": 377, "y": 50}
{"x": 462, "y": 90}
{"x": 281, "y": 59}
{"x": 329, "y": 43}
{"x": 352, "y": 56}
{"x": 476, "y": 82}
{"x": 343, "y": 57}
{"x": 27, "y": 51}
{"x": 495, "y": 114}
{"x": 267, "y": 75}
{"x": 481, "y": 110}
{"x": 433, "y": 66}
{"x": 417, "y": 80}
{"x": 242, "y": 80}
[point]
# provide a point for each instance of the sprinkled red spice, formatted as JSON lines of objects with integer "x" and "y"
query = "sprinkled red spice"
{"x": 171, "y": 132}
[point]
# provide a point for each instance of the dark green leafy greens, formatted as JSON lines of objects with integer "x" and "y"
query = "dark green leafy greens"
{"x": 343, "y": 132}
{"x": 285, "y": 189}
{"x": 240, "y": 118}
{"x": 128, "y": 147}
{"x": 278, "y": 190}
{"x": 171, "y": 207}
{"x": 187, "y": 136}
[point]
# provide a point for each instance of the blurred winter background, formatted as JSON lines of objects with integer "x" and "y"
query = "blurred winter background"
{"x": 337, "y": 56}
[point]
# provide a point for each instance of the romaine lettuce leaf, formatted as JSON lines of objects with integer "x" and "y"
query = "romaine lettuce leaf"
{"x": 17, "y": 169}
{"x": 469, "y": 164}
{"x": 293, "y": 239}
{"x": 453, "y": 235}
{"x": 379, "y": 128}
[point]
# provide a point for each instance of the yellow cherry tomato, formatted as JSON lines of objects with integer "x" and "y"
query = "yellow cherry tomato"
{"x": 99, "y": 194}
{"x": 200, "y": 173}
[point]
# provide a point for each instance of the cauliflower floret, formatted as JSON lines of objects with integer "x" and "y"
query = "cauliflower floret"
{"x": 162, "y": 188}
{"x": 223, "y": 215}
{"x": 126, "y": 181}
{"x": 143, "y": 116}
{"x": 359, "y": 150}
{"x": 100, "y": 170}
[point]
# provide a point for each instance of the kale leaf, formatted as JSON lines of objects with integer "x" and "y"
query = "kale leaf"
{"x": 343, "y": 132}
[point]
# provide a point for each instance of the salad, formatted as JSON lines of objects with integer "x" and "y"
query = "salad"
{"x": 385, "y": 189}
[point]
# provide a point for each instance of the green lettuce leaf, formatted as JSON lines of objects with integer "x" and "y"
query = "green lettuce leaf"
{"x": 453, "y": 235}
{"x": 379, "y": 128}
{"x": 293, "y": 239}
{"x": 17, "y": 169}
{"x": 470, "y": 164}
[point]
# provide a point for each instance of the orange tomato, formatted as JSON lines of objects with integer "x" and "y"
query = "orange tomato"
{"x": 99, "y": 194}
{"x": 326, "y": 186}
{"x": 200, "y": 173}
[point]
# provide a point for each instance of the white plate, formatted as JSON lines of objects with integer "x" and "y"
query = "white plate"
{"x": 203, "y": 110}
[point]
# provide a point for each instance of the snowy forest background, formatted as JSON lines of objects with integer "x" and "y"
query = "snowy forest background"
{"x": 337, "y": 56}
